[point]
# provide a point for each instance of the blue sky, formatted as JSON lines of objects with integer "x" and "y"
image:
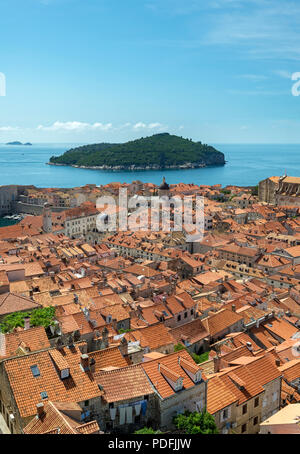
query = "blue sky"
{"x": 218, "y": 71}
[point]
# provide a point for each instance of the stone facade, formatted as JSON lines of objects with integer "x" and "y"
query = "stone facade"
{"x": 192, "y": 399}
{"x": 267, "y": 188}
{"x": 113, "y": 424}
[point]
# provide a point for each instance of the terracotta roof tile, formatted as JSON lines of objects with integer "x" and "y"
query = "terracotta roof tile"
{"x": 125, "y": 383}
{"x": 172, "y": 363}
{"x": 27, "y": 388}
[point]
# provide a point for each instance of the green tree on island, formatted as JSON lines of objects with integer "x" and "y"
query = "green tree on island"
{"x": 159, "y": 150}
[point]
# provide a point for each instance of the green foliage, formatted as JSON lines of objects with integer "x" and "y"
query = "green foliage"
{"x": 147, "y": 430}
{"x": 200, "y": 358}
{"x": 122, "y": 331}
{"x": 160, "y": 150}
{"x": 196, "y": 423}
{"x": 254, "y": 190}
{"x": 179, "y": 347}
{"x": 39, "y": 317}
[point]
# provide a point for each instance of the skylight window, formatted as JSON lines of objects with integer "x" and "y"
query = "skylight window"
{"x": 35, "y": 371}
{"x": 44, "y": 395}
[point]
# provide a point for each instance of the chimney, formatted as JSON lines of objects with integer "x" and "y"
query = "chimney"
{"x": 217, "y": 360}
{"x": 26, "y": 322}
{"x": 40, "y": 410}
{"x": 277, "y": 362}
{"x": 123, "y": 347}
{"x": 85, "y": 362}
{"x": 249, "y": 345}
{"x": 233, "y": 308}
{"x": 92, "y": 365}
{"x": 105, "y": 341}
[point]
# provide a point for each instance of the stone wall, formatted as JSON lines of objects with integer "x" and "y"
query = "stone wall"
{"x": 150, "y": 418}
{"x": 266, "y": 191}
{"x": 8, "y": 194}
{"x": 36, "y": 210}
{"x": 181, "y": 401}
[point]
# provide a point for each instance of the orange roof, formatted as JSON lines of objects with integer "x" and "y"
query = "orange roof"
{"x": 223, "y": 319}
{"x": 291, "y": 370}
{"x": 154, "y": 336}
{"x": 27, "y": 388}
{"x": 108, "y": 357}
{"x": 57, "y": 419}
{"x": 123, "y": 384}
{"x": 173, "y": 363}
{"x": 32, "y": 339}
{"x": 14, "y": 303}
{"x": 219, "y": 395}
{"x": 242, "y": 383}
{"x": 280, "y": 328}
{"x": 193, "y": 331}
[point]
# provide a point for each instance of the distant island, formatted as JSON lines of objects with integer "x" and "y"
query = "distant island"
{"x": 18, "y": 143}
{"x": 160, "y": 151}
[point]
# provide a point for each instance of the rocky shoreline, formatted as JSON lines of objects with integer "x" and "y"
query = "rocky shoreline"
{"x": 188, "y": 165}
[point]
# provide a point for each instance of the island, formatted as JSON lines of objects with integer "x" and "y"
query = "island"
{"x": 159, "y": 151}
{"x": 18, "y": 143}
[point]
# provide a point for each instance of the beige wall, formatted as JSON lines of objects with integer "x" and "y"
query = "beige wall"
{"x": 179, "y": 402}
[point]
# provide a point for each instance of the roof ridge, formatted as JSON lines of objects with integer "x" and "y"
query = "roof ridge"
{"x": 61, "y": 414}
{"x": 107, "y": 372}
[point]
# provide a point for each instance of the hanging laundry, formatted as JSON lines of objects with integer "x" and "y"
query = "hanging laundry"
{"x": 122, "y": 415}
{"x": 137, "y": 409}
{"x": 113, "y": 412}
{"x": 144, "y": 407}
{"x": 128, "y": 415}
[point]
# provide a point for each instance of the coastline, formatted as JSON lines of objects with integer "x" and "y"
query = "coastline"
{"x": 133, "y": 167}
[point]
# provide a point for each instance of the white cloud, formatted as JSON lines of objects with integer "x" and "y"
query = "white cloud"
{"x": 254, "y": 77}
{"x": 268, "y": 29}
{"x": 139, "y": 125}
{"x": 8, "y": 128}
{"x": 155, "y": 125}
{"x": 79, "y": 126}
{"x": 75, "y": 126}
{"x": 284, "y": 74}
{"x": 151, "y": 126}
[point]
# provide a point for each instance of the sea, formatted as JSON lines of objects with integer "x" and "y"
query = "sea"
{"x": 245, "y": 165}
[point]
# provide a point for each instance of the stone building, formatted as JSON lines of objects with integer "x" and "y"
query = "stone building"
{"x": 281, "y": 191}
{"x": 28, "y": 380}
{"x": 267, "y": 188}
{"x": 288, "y": 191}
{"x": 179, "y": 385}
{"x": 128, "y": 402}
